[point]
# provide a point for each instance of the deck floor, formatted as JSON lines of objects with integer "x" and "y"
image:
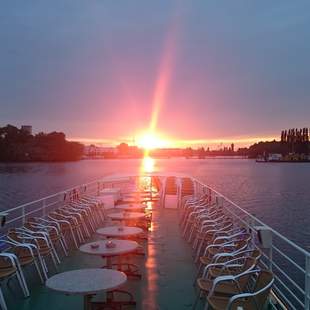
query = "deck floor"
{"x": 167, "y": 273}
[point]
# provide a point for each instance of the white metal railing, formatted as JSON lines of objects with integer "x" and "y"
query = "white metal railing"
{"x": 289, "y": 262}
{"x": 16, "y": 216}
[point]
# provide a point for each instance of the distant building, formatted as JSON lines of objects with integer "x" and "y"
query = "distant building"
{"x": 274, "y": 157}
{"x": 27, "y": 128}
{"x": 94, "y": 151}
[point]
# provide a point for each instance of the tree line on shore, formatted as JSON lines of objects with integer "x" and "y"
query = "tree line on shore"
{"x": 292, "y": 141}
{"x": 19, "y": 145}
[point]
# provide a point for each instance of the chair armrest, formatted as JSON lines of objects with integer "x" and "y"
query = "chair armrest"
{"x": 218, "y": 256}
{"x": 38, "y": 233}
{"x": 210, "y": 247}
{"x": 28, "y": 246}
{"x": 63, "y": 222}
{"x": 238, "y": 296}
{"x": 67, "y": 217}
{"x": 224, "y": 238}
{"x": 209, "y": 266}
{"x": 51, "y": 222}
{"x": 219, "y": 280}
{"x": 12, "y": 257}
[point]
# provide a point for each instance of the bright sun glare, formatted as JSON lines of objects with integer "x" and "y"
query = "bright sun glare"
{"x": 148, "y": 164}
{"x": 149, "y": 141}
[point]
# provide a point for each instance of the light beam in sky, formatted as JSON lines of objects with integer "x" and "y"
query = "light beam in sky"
{"x": 164, "y": 75}
{"x": 150, "y": 139}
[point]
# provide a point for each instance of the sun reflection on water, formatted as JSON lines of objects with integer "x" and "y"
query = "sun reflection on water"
{"x": 148, "y": 164}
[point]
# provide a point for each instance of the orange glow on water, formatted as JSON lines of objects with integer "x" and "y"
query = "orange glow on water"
{"x": 148, "y": 164}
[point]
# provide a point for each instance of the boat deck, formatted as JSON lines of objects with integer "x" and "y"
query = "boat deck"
{"x": 167, "y": 273}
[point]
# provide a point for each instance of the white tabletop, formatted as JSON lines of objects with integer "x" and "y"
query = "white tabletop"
{"x": 126, "y": 215}
{"x": 122, "y": 247}
{"x": 137, "y": 194}
{"x": 110, "y": 190}
{"x": 131, "y": 200}
{"x": 134, "y": 206}
{"x": 113, "y": 231}
{"x": 86, "y": 281}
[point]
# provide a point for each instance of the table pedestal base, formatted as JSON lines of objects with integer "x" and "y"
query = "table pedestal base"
{"x": 112, "y": 303}
{"x": 131, "y": 270}
{"x": 140, "y": 251}
{"x": 87, "y": 302}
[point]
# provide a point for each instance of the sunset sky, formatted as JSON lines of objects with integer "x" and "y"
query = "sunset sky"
{"x": 193, "y": 72}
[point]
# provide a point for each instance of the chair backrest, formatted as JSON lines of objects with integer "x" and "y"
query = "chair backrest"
{"x": 238, "y": 266}
{"x": 55, "y": 216}
{"x": 257, "y": 297}
{"x": 242, "y": 236}
{"x": 244, "y": 273}
{"x": 30, "y": 226}
{"x": 227, "y": 225}
{"x": 249, "y": 263}
{"x": 255, "y": 253}
{"x": 236, "y": 238}
{"x": 263, "y": 279}
{"x": 6, "y": 267}
{"x": 14, "y": 235}
{"x": 241, "y": 245}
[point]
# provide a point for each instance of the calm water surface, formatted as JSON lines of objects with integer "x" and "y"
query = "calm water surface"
{"x": 278, "y": 194}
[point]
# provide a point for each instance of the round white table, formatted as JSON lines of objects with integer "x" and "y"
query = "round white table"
{"x": 136, "y": 200}
{"x": 119, "y": 231}
{"x": 86, "y": 282}
{"x": 123, "y": 216}
{"x": 131, "y": 207}
{"x": 121, "y": 247}
{"x": 135, "y": 195}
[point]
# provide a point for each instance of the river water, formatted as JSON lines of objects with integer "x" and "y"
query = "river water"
{"x": 277, "y": 193}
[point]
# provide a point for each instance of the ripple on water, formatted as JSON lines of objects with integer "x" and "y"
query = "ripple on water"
{"x": 276, "y": 193}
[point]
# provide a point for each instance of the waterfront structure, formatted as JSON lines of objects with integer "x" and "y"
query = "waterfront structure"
{"x": 27, "y": 129}
{"x": 294, "y": 146}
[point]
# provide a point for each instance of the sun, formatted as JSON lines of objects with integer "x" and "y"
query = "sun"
{"x": 149, "y": 141}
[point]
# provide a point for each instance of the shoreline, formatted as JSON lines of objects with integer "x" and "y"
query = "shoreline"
{"x": 119, "y": 158}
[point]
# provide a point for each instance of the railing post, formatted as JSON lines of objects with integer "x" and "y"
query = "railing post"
{"x": 44, "y": 208}
{"x": 98, "y": 188}
{"x": 270, "y": 258}
{"x": 163, "y": 196}
{"x": 251, "y": 224}
{"x": 265, "y": 238}
{"x": 210, "y": 195}
{"x": 219, "y": 201}
{"x": 179, "y": 192}
{"x": 23, "y": 215}
{"x": 151, "y": 188}
{"x": 61, "y": 200}
{"x": 307, "y": 283}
